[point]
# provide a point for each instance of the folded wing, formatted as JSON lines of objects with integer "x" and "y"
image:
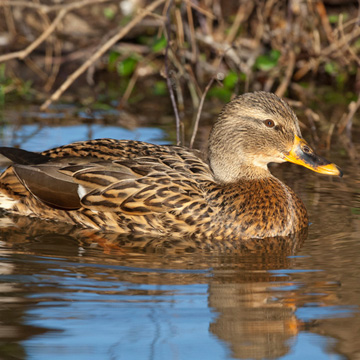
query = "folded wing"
{"x": 136, "y": 186}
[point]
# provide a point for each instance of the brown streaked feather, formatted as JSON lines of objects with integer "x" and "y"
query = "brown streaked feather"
{"x": 122, "y": 188}
{"x": 133, "y": 186}
{"x": 139, "y": 198}
{"x": 11, "y": 182}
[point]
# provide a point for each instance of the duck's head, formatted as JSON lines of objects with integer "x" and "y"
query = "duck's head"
{"x": 255, "y": 129}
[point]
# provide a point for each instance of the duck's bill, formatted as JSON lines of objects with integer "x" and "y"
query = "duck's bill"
{"x": 302, "y": 154}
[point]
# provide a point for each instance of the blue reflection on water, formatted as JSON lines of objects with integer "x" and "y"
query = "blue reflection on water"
{"x": 37, "y": 138}
{"x": 313, "y": 312}
{"x": 310, "y": 346}
{"x": 171, "y": 325}
{"x": 109, "y": 319}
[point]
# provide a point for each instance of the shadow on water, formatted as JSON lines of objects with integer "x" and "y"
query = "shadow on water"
{"x": 70, "y": 293}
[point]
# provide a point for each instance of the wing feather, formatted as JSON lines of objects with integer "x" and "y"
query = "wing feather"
{"x": 159, "y": 191}
{"x": 152, "y": 179}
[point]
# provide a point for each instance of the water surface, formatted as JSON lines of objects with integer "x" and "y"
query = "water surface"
{"x": 64, "y": 295}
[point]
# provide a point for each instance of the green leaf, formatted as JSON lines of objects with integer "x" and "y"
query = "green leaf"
{"x": 331, "y": 68}
{"x": 159, "y": 44}
{"x": 2, "y": 73}
{"x": 334, "y": 18}
{"x": 101, "y": 106}
{"x": 145, "y": 40}
{"x": 341, "y": 79}
{"x": 160, "y": 88}
{"x": 221, "y": 93}
{"x": 275, "y": 54}
{"x": 109, "y": 13}
{"x": 355, "y": 211}
{"x": 267, "y": 62}
{"x": 2, "y": 96}
{"x": 231, "y": 79}
{"x": 125, "y": 20}
{"x": 304, "y": 84}
{"x": 243, "y": 77}
{"x": 113, "y": 57}
{"x": 127, "y": 66}
{"x": 26, "y": 88}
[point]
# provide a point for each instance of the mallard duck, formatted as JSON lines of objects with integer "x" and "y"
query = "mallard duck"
{"x": 135, "y": 187}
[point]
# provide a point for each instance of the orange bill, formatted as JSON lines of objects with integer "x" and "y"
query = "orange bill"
{"x": 302, "y": 154}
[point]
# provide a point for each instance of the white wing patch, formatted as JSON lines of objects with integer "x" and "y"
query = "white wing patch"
{"x": 7, "y": 203}
{"x": 82, "y": 191}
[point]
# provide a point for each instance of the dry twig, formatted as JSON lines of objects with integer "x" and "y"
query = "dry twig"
{"x": 167, "y": 71}
{"x": 196, "y": 125}
{"x": 346, "y": 121}
{"x": 280, "y": 91}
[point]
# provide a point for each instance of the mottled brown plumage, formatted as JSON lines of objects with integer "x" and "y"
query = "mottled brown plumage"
{"x": 135, "y": 187}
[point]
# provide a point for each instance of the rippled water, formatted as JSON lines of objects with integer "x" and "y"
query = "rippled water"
{"x": 64, "y": 295}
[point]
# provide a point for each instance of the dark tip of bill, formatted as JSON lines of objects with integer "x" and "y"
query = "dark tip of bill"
{"x": 340, "y": 172}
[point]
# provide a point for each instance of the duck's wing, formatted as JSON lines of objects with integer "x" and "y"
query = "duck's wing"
{"x": 136, "y": 186}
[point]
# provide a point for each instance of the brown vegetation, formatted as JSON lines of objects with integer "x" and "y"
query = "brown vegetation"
{"x": 227, "y": 47}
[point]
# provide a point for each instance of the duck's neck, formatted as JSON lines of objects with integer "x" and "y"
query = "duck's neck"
{"x": 230, "y": 165}
{"x": 239, "y": 172}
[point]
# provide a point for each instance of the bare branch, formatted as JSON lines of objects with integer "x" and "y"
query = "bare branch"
{"x": 346, "y": 121}
{"x": 168, "y": 79}
{"x": 196, "y": 125}
{"x": 280, "y": 91}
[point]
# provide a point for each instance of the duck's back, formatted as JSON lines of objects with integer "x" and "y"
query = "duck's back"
{"x": 111, "y": 149}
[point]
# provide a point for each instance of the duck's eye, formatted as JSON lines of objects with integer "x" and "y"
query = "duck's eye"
{"x": 269, "y": 123}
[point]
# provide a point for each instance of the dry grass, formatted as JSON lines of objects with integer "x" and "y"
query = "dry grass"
{"x": 269, "y": 45}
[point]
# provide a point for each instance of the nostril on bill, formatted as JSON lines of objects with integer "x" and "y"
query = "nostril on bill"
{"x": 306, "y": 149}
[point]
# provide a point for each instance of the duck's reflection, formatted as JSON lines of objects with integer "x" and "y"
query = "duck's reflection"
{"x": 251, "y": 318}
{"x": 21, "y": 229}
